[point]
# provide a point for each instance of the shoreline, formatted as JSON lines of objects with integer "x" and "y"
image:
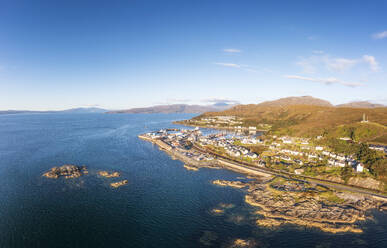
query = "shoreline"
{"x": 259, "y": 194}
{"x": 255, "y": 171}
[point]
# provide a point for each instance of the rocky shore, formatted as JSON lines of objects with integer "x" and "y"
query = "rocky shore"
{"x": 283, "y": 201}
{"x": 67, "y": 171}
{"x": 192, "y": 168}
{"x": 234, "y": 184}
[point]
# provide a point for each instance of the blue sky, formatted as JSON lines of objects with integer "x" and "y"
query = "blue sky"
{"x": 123, "y": 54}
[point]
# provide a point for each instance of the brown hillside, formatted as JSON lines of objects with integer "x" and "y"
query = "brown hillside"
{"x": 303, "y": 119}
{"x": 297, "y": 100}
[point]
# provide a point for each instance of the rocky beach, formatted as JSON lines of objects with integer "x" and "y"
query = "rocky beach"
{"x": 283, "y": 201}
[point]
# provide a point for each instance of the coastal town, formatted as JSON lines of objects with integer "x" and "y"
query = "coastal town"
{"x": 270, "y": 161}
{"x": 291, "y": 154}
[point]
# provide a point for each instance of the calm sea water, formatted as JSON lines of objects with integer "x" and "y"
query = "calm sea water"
{"x": 163, "y": 205}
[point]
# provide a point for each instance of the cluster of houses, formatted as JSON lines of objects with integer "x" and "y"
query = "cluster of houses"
{"x": 316, "y": 153}
{"x": 228, "y": 145}
{"x": 378, "y": 148}
{"x": 179, "y": 141}
{"x": 218, "y": 120}
{"x": 291, "y": 150}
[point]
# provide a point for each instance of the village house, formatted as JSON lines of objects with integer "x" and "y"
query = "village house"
{"x": 251, "y": 155}
{"x": 359, "y": 167}
{"x": 319, "y": 148}
{"x": 312, "y": 156}
{"x": 326, "y": 153}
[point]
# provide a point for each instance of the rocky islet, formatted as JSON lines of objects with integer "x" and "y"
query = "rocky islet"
{"x": 73, "y": 171}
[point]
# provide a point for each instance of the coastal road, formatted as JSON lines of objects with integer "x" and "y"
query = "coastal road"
{"x": 246, "y": 166}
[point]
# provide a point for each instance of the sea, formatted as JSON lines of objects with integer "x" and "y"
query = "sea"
{"x": 163, "y": 204}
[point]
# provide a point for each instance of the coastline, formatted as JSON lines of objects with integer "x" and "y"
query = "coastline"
{"x": 215, "y": 163}
{"x": 273, "y": 216}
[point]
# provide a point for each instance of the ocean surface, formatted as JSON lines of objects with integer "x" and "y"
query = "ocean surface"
{"x": 163, "y": 205}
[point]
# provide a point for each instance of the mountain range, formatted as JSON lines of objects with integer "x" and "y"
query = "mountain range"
{"x": 220, "y": 106}
{"x": 288, "y": 101}
{"x": 67, "y": 111}
{"x": 175, "y": 109}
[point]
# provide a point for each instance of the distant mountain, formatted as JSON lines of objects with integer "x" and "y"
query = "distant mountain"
{"x": 175, "y": 109}
{"x": 67, "y": 111}
{"x": 360, "y": 104}
{"x": 84, "y": 110}
{"x": 301, "y": 100}
{"x": 11, "y": 112}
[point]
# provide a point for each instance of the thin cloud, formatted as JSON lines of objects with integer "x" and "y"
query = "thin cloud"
{"x": 340, "y": 64}
{"x": 318, "y": 51}
{"x": 374, "y": 65}
{"x": 228, "y": 65}
{"x": 327, "y": 81}
{"x": 380, "y": 35}
{"x": 243, "y": 67}
{"x": 317, "y": 63}
{"x": 232, "y": 50}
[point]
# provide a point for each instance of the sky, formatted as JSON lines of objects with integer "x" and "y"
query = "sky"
{"x": 122, "y": 54}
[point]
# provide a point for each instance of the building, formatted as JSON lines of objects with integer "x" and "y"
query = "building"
{"x": 251, "y": 155}
{"x": 359, "y": 167}
{"x": 365, "y": 118}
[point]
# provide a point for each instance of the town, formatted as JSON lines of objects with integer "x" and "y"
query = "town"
{"x": 300, "y": 156}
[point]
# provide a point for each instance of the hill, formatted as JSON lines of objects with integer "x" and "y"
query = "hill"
{"x": 310, "y": 120}
{"x": 174, "y": 109}
{"x": 360, "y": 104}
{"x": 302, "y": 100}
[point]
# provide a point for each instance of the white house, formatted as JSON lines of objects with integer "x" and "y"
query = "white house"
{"x": 341, "y": 164}
{"x": 251, "y": 155}
{"x": 325, "y": 153}
{"x": 359, "y": 167}
{"x": 341, "y": 158}
{"x": 312, "y": 156}
{"x": 319, "y": 148}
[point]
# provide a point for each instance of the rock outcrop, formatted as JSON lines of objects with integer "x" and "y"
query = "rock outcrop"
{"x": 67, "y": 171}
{"x": 192, "y": 168}
{"x": 108, "y": 175}
{"x": 283, "y": 201}
{"x": 119, "y": 184}
{"x": 234, "y": 184}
